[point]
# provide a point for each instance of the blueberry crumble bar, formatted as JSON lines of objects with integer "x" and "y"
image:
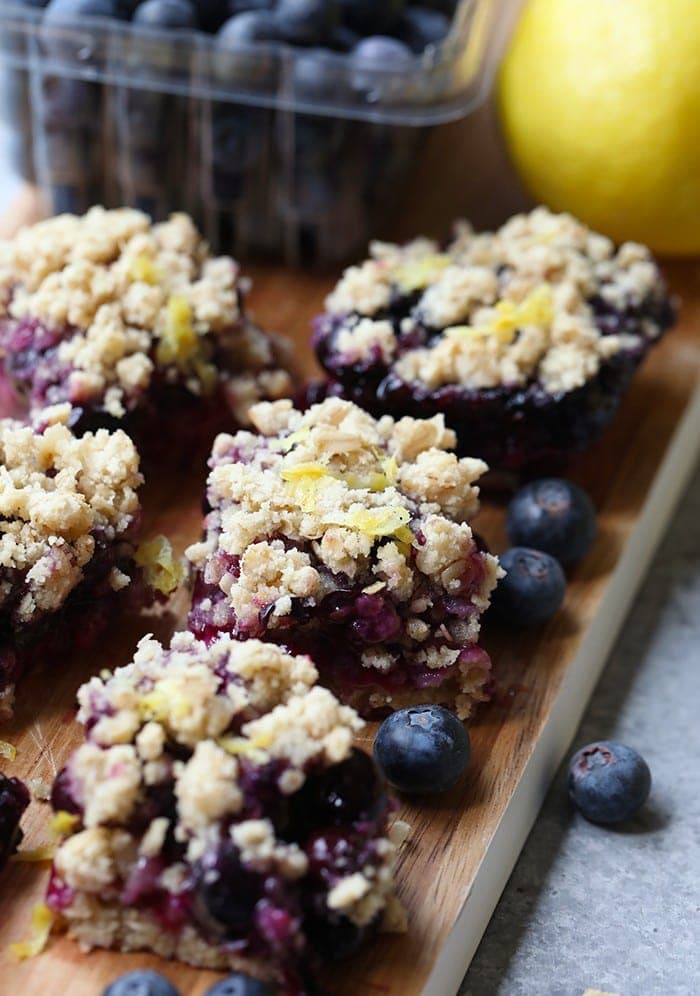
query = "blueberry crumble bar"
{"x": 218, "y": 813}
{"x": 347, "y": 538}
{"x": 525, "y": 338}
{"x": 69, "y": 519}
{"x": 134, "y": 324}
{"x": 14, "y": 799}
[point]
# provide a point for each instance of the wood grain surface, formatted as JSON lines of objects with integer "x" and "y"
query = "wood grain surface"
{"x": 450, "y": 836}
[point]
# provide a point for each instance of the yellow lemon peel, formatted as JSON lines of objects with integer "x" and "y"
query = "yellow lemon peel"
{"x": 378, "y": 522}
{"x": 166, "y": 699}
{"x": 290, "y": 441}
{"x": 63, "y": 824}
{"x": 239, "y": 746}
{"x": 536, "y": 309}
{"x": 41, "y": 924}
{"x": 420, "y": 273}
{"x": 179, "y": 341}
{"x": 7, "y": 750}
{"x": 377, "y": 480}
{"x": 34, "y": 855}
{"x": 162, "y": 569}
{"x": 143, "y": 269}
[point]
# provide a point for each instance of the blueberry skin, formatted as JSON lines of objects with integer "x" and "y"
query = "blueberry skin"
{"x": 420, "y": 27}
{"x": 141, "y": 983}
{"x": 608, "y": 781}
{"x": 307, "y": 22}
{"x": 245, "y": 29}
{"x": 532, "y": 590}
{"x": 379, "y": 52}
{"x": 422, "y": 749}
{"x": 553, "y": 515}
{"x": 72, "y": 11}
{"x": 240, "y": 985}
{"x": 175, "y": 14}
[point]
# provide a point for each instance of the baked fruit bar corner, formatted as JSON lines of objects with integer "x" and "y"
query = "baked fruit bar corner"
{"x": 14, "y": 799}
{"x": 218, "y": 813}
{"x": 135, "y": 325}
{"x": 347, "y": 538}
{"x": 525, "y": 339}
{"x": 69, "y": 525}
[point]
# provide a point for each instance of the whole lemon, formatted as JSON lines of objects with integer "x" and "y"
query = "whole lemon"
{"x": 600, "y": 105}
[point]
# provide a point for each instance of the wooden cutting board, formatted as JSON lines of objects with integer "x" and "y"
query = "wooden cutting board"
{"x": 462, "y": 845}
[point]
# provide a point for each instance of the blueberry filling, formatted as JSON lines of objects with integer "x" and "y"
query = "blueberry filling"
{"x": 14, "y": 799}
{"x": 245, "y": 818}
{"x": 533, "y": 413}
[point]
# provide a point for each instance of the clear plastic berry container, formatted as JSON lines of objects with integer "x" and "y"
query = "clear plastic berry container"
{"x": 279, "y": 150}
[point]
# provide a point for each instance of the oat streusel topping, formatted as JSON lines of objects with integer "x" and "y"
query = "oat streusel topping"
{"x": 333, "y": 491}
{"x": 129, "y": 298}
{"x": 512, "y": 305}
{"x": 57, "y": 494}
{"x": 191, "y": 716}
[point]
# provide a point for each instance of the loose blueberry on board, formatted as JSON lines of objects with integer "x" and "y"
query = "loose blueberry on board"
{"x": 176, "y": 14}
{"x": 240, "y": 985}
{"x": 307, "y": 22}
{"x": 553, "y": 515}
{"x": 532, "y": 590}
{"x": 252, "y": 26}
{"x": 141, "y": 983}
{"x": 608, "y": 781}
{"x": 422, "y": 749}
{"x": 420, "y": 27}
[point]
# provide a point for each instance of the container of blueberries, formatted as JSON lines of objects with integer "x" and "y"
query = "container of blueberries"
{"x": 285, "y": 127}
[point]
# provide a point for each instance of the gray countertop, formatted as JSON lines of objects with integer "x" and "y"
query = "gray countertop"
{"x": 588, "y": 907}
{"x": 602, "y": 909}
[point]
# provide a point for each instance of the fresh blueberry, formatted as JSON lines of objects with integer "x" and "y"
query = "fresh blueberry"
{"x": 73, "y": 11}
{"x": 313, "y": 76}
{"x": 555, "y": 516}
{"x": 379, "y": 52}
{"x": 166, "y": 14}
{"x": 141, "y": 983}
{"x": 532, "y": 590}
{"x": 252, "y": 26}
{"x": 228, "y": 891}
{"x": 341, "y": 794}
{"x": 420, "y": 27}
{"x": 608, "y": 781}
{"x": 422, "y": 749}
{"x": 307, "y": 22}
{"x": 369, "y": 17}
{"x": 240, "y": 985}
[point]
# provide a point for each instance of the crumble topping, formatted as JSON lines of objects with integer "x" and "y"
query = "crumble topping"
{"x": 57, "y": 495}
{"x": 332, "y": 529}
{"x": 338, "y": 491}
{"x": 208, "y": 720}
{"x": 128, "y": 300}
{"x": 510, "y": 306}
